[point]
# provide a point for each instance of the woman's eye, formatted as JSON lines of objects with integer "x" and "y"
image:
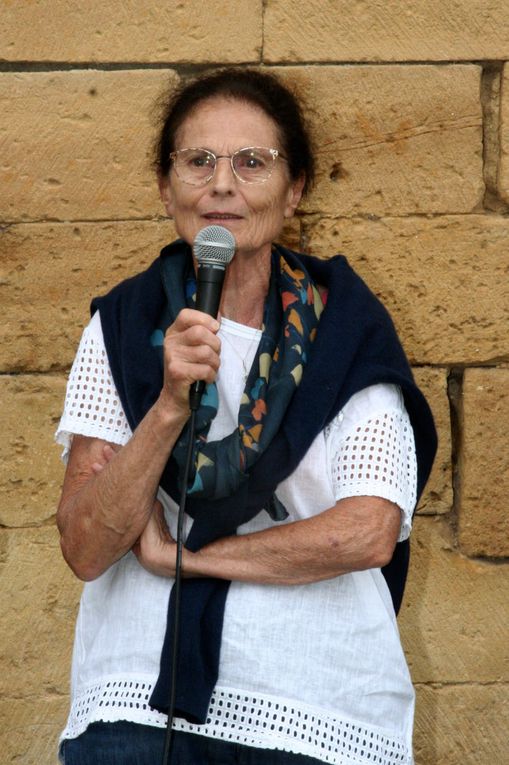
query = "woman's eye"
{"x": 251, "y": 162}
{"x": 199, "y": 161}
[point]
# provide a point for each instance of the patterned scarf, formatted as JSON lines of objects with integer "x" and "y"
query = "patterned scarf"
{"x": 291, "y": 315}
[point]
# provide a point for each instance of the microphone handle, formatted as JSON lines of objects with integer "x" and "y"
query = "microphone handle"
{"x": 209, "y": 287}
{"x": 208, "y": 296}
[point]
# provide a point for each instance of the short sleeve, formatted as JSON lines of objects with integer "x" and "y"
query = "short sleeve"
{"x": 92, "y": 405}
{"x": 371, "y": 450}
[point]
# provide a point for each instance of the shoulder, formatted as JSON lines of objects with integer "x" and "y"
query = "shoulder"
{"x": 344, "y": 291}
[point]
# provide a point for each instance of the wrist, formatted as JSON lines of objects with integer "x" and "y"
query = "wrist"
{"x": 170, "y": 416}
{"x": 192, "y": 564}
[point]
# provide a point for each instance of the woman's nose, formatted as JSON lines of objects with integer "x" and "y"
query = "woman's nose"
{"x": 223, "y": 181}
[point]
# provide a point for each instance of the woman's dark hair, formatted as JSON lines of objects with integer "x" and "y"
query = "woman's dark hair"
{"x": 254, "y": 87}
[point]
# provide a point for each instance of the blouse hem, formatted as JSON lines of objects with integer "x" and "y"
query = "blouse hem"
{"x": 251, "y": 719}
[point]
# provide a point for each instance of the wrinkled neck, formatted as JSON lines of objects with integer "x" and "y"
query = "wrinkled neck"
{"x": 245, "y": 288}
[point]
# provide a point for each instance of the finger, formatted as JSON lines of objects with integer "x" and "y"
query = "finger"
{"x": 192, "y": 337}
{"x": 189, "y": 317}
{"x": 201, "y": 354}
{"x": 164, "y": 531}
{"x": 184, "y": 366}
{"x": 109, "y": 452}
{"x": 193, "y": 373}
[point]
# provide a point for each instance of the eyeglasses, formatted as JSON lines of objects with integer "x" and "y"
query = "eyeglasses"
{"x": 250, "y": 165}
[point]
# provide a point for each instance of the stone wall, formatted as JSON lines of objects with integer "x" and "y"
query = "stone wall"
{"x": 410, "y": 107}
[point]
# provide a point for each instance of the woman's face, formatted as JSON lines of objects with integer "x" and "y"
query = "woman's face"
{"x": 254, "y": 213}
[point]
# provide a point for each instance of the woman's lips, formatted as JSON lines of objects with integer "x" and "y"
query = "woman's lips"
{"x": 221, "y": 216}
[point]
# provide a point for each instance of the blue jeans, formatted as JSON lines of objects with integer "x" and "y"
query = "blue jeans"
{"x": 125, "y": 743}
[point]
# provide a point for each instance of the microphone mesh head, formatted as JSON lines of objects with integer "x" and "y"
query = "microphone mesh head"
{"x": 214, "y": 245}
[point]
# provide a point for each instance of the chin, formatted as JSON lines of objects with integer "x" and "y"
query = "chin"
{"x": 229, "y": 223}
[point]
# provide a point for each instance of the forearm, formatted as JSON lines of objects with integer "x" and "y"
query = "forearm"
{"x": 107, "y": 501}
{"x": 356, "y": 534}
{"x": 103, "y": 513}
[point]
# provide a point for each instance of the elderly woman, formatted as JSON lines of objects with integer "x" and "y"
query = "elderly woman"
{"x": 312, "y": 447}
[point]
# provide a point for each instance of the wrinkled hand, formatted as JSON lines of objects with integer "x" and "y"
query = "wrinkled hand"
{"x": 156, "y": 549}
{"x": 191, "y": 352}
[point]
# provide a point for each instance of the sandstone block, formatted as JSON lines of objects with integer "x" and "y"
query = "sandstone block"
{"x": 444, "y": 280}
{"x": 437, "y": 496}
{"x": 50, "y": 272}
{"x": 338, "y": 30}
{"x": 484, "y": 469}
{"x": 31, "y": 728}
{"x": 464, "y": 724}
{"x": 38, "y": 599}
{"x": 30, "y": 469}
{"x": 389, "y": 139}
{"x": 173, "y": 31}
{"x": 79, "y": 144}
{"x": 394, "y": 139}
{"x": 503, "y": 176}
{"x": 454, "y": 616}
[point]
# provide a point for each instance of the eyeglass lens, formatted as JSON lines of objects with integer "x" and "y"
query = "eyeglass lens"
{"x": 252, "y": 165}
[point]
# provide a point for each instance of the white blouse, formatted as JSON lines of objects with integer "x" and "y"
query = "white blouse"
{"x": 315, "y": 669}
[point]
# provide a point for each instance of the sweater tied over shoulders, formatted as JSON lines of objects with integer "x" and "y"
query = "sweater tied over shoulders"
{"x": 356, "y": 346}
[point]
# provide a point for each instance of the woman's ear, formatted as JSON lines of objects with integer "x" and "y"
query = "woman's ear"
{"x": 163, "y": 181}
{"x": 294, "y": 195}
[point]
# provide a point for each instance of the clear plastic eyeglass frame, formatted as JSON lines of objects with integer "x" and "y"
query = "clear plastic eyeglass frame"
{"x": 196, "y": 166}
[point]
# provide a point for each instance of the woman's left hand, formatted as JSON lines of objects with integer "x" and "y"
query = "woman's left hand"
{"x": 156, "y": 549}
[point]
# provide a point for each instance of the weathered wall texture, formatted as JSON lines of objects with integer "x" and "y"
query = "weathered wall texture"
{"x": 410, "y": 106}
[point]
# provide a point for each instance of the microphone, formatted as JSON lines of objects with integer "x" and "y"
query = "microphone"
{"x": 214, "y": 248}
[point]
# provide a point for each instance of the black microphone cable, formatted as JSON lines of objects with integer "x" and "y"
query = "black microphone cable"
{"x": 214, "y": 248}
{"x": 168, "y": 741}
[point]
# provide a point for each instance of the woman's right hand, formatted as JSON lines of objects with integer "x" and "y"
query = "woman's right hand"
{"x": 191, "y": 353}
